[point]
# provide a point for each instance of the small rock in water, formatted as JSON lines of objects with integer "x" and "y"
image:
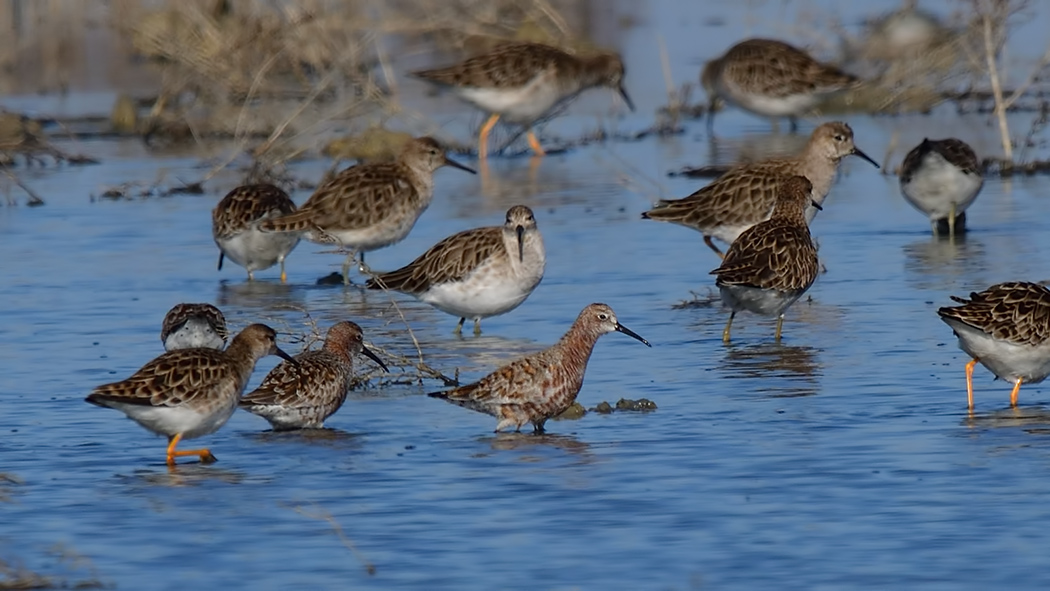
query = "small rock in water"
{"x": 333, "y": 278}
{"x": 576, "y": 411}
{"x": 603, "y": 408}
{"x": 642, "y": 404}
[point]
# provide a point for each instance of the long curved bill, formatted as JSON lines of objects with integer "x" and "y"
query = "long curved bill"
{"x": 278, "y": 352}
{"x": 369, "y": 354}
{"x": 521, "y": 242}
{"x": 631, "y": 333}
{"x": 857, "y": 152}
{"x": 626, "y": 99}
{"x": 454, "y": 164}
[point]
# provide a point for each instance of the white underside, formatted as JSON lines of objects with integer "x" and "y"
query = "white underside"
{"x": 519, "y": 105}
{"x": 766, "y": 106}
{"x": 194, "y": 333}
{"x": 766, "y": 302}
{"x": 938, "y": 184}
{"x": 255, "y": 250}
{"x": 170, "y": 420}
{"x": 1008, "y": 361}
{"x": 385, "y": 233}
{"x": 488, "y": 291}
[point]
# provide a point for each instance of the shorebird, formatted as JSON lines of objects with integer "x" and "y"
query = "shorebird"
{"x": 744, "y": 196}
{"x": 477, "y": 273}
{"x": 774, "y": 262}
{"x": 941, "y": 178}
{"x": 524, "y": 82}
{"x": 542, "y": 385}
{"x": 770, "y": 78}
{"x": 234, "y": 226}
{"x": 1005, "y": 328}
{"x": 302, "y": 395}
{"x": 369, "y": 206}
{"x": 190, "y": 393}
{"x": 188, "y": 326}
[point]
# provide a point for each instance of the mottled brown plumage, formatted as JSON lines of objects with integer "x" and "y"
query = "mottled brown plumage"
{"x": 744, "y": 196}
{"x": 369, "y": 206}
{"x": 540, "y": 386}
{"x": 477, "y": 273}
{"x": 770, "y": 78}
{"x": 188, "y": 326}
{"x": 190, "y": 393}
{"x": 523, "y": 82}
{"x": 303, "y": 395}
{"x": 1006, "y": 328}
{"x": 772, "y": 263}
{"x": 234, "y": 227}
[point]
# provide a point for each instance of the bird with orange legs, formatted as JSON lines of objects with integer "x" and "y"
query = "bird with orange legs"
{"x": 1005, "y": 328}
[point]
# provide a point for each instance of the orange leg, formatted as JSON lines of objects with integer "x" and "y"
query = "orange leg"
{"x": 205, "y": 455}
{"x": 711, "y": 245}
{"x": 535, "y": 143}
{"x": 483, "y": 139}
{"x": 1013, "y": 395}
{"x": 969, "y": 382}
{"x": 284, "y": 276}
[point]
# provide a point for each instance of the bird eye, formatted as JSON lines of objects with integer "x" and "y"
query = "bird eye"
{"x": 603, "y": 316}
{"x": 840, "y": 138}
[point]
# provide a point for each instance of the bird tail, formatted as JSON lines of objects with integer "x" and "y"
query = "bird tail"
{"x": 298, "y": 221}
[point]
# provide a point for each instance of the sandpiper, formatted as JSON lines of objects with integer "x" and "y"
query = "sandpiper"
{"x": 744, "y": 196}
{"x": 477, "y": 273}
{"x": 234, "y": 226}
{"x": 190, "y": 393}
{"x": 542, "y": 385}
{"x": 188, "y": 326}
{"x": 941, "y": 178}
{"x": 523, "y": 82}
{"x": 774, "y": 262}
{"x": 1007, "y": 329}
{"x": 303, "y": 395}
{"x": 770, "y": 78}
{"x": 369, "y": 206}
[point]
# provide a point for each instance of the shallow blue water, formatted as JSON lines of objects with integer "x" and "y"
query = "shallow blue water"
{"x": 841, "y": 458}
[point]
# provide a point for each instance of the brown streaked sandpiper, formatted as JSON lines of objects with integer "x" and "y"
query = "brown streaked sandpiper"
{"x": 188, "y": 326}
{"x": 477, "y": 273}
{"x": 234, "y": 226}
{"x": 542, "y": 385}
{"x": 772, "y": 263}
{"x": 302, "y": 395}
{"x": 1005, "y": 328}
{"x": 369, "y": 206}
{"x": 770, "y": 78}
{"x": 190, "y": 393}
{"x": 523, "y": 82}
{"x": 744, "y": 196}
{"x": 941, "y": 178}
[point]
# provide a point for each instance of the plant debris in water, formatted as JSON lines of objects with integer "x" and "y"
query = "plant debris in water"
{"x": 577, "y": 410}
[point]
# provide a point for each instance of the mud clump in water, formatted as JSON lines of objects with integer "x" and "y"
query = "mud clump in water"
{"x": 574, "y": 412}
{"x": 640, "y": 405}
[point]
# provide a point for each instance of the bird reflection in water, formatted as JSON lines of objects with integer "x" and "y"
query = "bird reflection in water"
{"x": 1030, "y": 419}
{"x": 258, "y": 295}
{"x": 537, "y": 447}
{"x": 787, "y": 371}
{"x": 939, "y": 262}
{"x": 178, "y": 475}
{"x": 325, "y": 437}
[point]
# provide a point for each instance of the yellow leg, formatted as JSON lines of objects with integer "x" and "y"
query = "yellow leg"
{"x": 284, "y": 276}
{"x": 477, "y": 326}
{"x": 711, "y": 245}
{"x": 459, "y": 327}
{"x": 969, "y": 382}
{"x": 780, "y": 327}
{"x": 535, "y": 143}
{"x": 1013, "y": 395}
{"x": 729, "y": 324}
{"x": 205, "y": 456}
{"x": 483, "y": 139}
{"x": 951, "y": 222}
{"x": 346, "y": 268}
